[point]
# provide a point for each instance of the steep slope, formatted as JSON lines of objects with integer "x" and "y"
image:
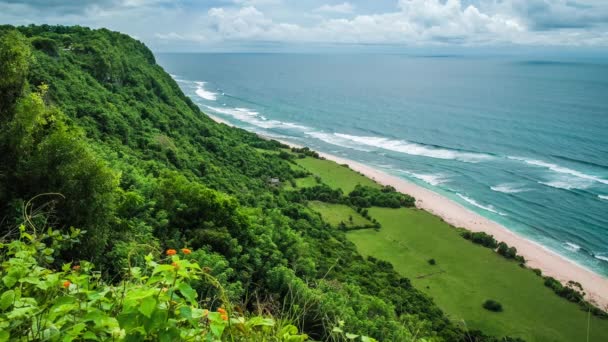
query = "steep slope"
{"x": 92, "y": 122}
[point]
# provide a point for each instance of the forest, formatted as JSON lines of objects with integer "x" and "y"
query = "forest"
{"x": 127, "y": 213}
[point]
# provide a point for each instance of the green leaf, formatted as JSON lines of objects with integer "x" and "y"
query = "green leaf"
{"x": 217, "y": 329}
{"x": 9, "y": 280}
{"x": 337, "y": 330}
{"x": 90, "y": 336}
{"x": 147, "y": 307}
{"x": 351, "y": 336}
{"x": 187, "y": 292}
{"x": 7, "y": 299}
{"x": 4, "y": 335}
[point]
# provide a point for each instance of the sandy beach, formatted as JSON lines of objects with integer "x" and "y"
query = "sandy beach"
{"x": 537, "y": 256}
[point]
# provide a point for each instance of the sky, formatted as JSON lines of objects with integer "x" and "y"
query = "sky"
{"x": 302, "y": 25}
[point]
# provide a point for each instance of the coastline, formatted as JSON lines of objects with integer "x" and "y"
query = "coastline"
{"x": 537, "y": 256}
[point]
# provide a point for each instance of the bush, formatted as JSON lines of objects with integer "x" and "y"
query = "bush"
{"x": 154, "y": 302}
{"x": 432, "y": 262}
{"x": 492, "y": 305}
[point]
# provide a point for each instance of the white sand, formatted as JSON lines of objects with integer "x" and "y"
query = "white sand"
{"x": 537, "y": 256}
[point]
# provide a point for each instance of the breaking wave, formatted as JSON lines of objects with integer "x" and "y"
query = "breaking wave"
{"x": 205, "y": 94}
{"x": 489, "y": 208}
{"x": 403, "y": 146}
{"x": 508, "y": 188}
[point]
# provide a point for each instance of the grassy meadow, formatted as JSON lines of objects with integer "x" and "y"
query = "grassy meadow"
{"x": 335, "y": 175}
{"x": 465, "y": 274}
{"x": 336, "y": 213}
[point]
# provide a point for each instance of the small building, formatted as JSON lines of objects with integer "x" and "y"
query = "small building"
{"x": 274, "y": 181}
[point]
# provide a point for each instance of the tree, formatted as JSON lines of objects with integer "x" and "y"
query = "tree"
{"x": 492, "y": 305}
{"x": 14, "y": 63}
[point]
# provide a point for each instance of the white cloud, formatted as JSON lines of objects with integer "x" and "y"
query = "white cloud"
{"x": 343, "y": 8}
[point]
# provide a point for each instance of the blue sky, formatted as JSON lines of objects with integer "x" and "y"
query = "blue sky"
{"x": 284, "y": 25}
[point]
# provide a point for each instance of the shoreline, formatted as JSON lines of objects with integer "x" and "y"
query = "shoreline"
{"x": 537, "y": 256}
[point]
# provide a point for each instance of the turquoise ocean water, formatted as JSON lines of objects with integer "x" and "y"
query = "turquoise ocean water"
{"x": 522, "y": 142}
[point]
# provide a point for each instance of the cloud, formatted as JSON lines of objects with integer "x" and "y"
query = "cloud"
{"x": 197, "y": 24}
{"x": 544, "y": 15}
{"x": 416, "y": 22}
{"x": 343, "y": 8}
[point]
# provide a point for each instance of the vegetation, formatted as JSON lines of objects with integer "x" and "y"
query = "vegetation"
{"x": 492, "y": 305}
{"x": 154, "y": 302}
{"x": 387, "y": 197}
{"x": 95, "y": 135}
{"x": 334, "y": 175}
{"x": 341, "y": 216}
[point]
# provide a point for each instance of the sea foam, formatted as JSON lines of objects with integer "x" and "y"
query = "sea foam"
{"x": 508, "y": 188}
{"x": 254, "y": 118}
{"x": 489, "y": 208}
{"x": 205, "y": 94}
{"x": 572, "y": 246}
{"x": 432, "y": 179}
{"x": 403, "y": 146}
{"x": 601, "y": 257}
{"x": 604, "y": 197}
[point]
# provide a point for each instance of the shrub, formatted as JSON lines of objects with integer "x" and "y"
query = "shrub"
{"x": 154, "y": 302}
{"x": 432, "y": 262}
{"x": 492, "y": 305}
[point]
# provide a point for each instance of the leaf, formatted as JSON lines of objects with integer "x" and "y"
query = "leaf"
{"x": 9, "y": 280}
{"x": 337, "y": 330}
{"x": 4, "y": 335}
{"x": 217, "y": 329}
{"x": 187, "y": 292}
{"x": 7, "y": 299}
{"x": 185, "y": 312}
{"x": 147, "y": 307}
{"x": 90, "y": 336}
{"x": 351, "y": 336}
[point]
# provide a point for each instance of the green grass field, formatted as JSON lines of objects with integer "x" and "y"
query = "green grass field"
{"x": 334, "y": 175}
{"x": 336, "y": 213}
{"x": 465, "y": 274}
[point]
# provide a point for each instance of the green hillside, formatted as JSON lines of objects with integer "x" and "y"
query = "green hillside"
{"x": 95, "y": 135}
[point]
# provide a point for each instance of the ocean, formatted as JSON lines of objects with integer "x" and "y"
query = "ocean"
{"x": 523, "y": 142}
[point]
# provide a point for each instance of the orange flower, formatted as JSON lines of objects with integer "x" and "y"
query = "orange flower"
{"x": 171, "y": 252}
{"x": 224, "y": 317}
{"x": 66, "y": 284}
{"x": 186, "y": 251}
{"x": 76, "y": 267}
{"x": 222, "y": 311}
{"x": 176, "y": 265}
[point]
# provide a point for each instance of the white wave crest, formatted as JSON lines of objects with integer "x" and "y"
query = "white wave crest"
{"x": 489, "y": 208}
{"x": 403, "y": 146}
{"x": 561, "y": 169}
{"x": 601, "y": 257}
{"x": 331, "y": 138}
{"x": 568, "y": 184}
{"x": 508, "y": 188}
{"x": 604, "y": 197}
{"x": 572, "y": 246}
{"x": 254, "y": 118}
{"x": 205, "y": 94}
{"x": 432, "y": 179}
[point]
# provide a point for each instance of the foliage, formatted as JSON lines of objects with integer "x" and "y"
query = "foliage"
{"x": 388, "y": 197}
{"x": 480, "y": 238}
{"x": 155, "y": 302}
{"x": 492, "y": 305}
{"x": 14, "y": 64}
